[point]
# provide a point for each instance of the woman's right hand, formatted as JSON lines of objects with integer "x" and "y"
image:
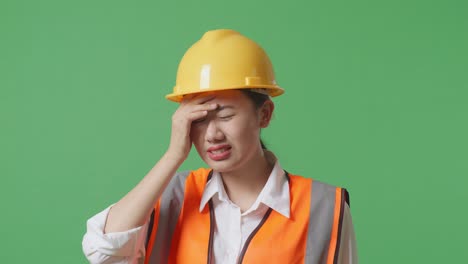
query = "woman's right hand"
{"x": 135, "y": 207}
{"x": 190, "y": 109}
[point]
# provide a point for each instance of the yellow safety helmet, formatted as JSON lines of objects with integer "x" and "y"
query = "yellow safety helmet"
{"x": 223, "y": 60}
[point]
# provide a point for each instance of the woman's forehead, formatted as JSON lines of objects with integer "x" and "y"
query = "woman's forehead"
{"x": 227, "y": 96}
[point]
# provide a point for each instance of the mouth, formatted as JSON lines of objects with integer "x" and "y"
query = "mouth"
{"x": 219, "y": 152}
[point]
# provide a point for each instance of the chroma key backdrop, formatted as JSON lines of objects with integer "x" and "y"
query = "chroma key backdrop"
{"x": 376, "y": 101}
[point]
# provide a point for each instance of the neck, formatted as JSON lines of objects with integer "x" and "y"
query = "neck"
{"x": 245, "y": 184}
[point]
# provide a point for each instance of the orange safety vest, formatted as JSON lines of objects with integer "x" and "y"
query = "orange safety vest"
{"x": 179, "y": 233}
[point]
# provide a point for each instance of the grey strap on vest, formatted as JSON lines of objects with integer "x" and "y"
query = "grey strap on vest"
{"x": 169, "y": 211}
{"x": 322, "y": 206}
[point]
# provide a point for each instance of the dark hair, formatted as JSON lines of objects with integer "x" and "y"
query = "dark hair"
{"x": 258, "y": 99}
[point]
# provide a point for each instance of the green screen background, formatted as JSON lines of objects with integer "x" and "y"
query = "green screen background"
{"x": 376, "y": 101}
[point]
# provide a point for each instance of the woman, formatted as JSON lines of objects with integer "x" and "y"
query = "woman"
{"x": 245, "y": 208}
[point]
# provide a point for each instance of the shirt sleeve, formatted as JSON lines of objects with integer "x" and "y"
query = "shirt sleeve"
{"x": 348, "y": 248}
{"x": 127, "y": 247}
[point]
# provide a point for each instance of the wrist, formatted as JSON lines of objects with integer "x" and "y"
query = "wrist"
{"x": 174, "y": 157}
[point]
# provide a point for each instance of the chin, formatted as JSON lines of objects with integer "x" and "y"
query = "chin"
{"x": 220, "y": 166}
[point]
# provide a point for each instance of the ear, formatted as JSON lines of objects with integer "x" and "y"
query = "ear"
{"x": 265, "y": 113}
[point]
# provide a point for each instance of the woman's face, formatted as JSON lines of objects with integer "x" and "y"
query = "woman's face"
{"x": 229, "y": 137}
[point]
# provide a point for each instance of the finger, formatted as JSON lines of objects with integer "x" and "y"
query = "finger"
{"x": 207, "y": 99}
{"x": 199, "y": 98}
{"x": 203, "y": 107}
{"x": 186, "y": 109}
{"x": 197, "y": 115}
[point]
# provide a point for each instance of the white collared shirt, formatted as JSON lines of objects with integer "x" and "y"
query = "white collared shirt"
{"x": 232, "y": 228}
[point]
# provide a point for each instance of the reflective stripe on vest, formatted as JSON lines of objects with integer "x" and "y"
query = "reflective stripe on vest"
{"x": 179, "y": 233}
{"x": 165, "y": 217}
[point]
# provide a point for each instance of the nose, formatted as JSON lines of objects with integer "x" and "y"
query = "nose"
{"x": 213, "y": 132}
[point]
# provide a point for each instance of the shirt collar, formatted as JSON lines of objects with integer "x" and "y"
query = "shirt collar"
{"x": 275, "y": 193}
